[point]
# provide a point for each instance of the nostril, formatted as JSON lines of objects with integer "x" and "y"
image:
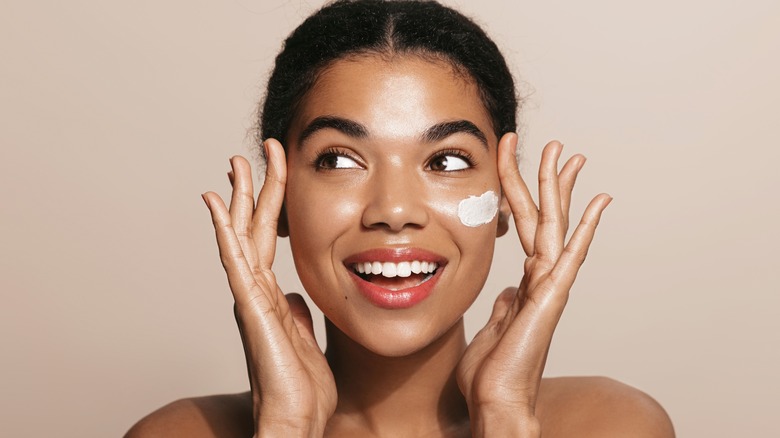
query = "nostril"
{"x": 396, "y": 219}
{"x": 395, "y": 203}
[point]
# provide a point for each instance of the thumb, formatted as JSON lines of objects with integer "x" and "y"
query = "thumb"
{"x": 501, "y": 306}
{"x": 301, "y": 316}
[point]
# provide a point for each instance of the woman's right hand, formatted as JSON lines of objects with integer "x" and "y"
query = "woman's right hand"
{"x": 293, "y": 390}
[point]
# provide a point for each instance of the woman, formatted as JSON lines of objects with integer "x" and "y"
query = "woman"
{"x": 388, "y": 130}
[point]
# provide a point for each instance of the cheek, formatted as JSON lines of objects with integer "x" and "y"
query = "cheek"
{"x": 471, "y": 221}
{"x": 466, "y": 211}
{"x": 476, "y": 211}
{"x": 318, "y": 216}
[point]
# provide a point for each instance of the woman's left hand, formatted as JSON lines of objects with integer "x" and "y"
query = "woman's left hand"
{"x": 501, "y": 369}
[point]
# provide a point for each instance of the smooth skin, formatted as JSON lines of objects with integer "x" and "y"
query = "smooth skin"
{"x": 400, "y": 386}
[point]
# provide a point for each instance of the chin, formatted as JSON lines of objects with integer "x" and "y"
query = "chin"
{"x": 397, "y": 346}
{"x": 401, "y": 338}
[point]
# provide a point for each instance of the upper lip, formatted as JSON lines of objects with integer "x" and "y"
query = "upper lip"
{"x": 395, "y": 255}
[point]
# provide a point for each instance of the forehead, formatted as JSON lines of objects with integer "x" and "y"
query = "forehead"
{"x": 395, "y": 96}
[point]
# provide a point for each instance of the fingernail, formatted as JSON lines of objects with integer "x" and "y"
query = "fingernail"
{"x": 203, "y": 195}
{"x": 231, "y": 177}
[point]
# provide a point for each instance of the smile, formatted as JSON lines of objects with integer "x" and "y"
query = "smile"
{"x": 390, "y": 269}
{"x": 395, "y": 278}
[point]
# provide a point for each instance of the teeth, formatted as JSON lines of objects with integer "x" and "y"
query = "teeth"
{"x": 390, "y": 269}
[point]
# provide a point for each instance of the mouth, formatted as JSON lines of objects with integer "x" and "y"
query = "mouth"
{"x": 395, "y": 278}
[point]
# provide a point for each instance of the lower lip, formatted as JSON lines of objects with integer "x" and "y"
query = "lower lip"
{"x": 396, "y": 299}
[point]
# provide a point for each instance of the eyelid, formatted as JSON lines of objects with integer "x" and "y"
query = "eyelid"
{"x": 339, "y": 152}
{"x": 458, "y": 153}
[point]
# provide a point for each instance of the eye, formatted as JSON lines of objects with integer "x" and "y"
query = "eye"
{"x": 449, "y": 162}
{"x": 330, "y": 159}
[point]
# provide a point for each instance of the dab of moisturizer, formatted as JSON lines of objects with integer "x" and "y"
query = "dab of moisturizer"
{"x": 478, "y": 210}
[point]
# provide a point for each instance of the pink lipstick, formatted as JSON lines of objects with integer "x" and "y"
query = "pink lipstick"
{"x": 395, "y": 278}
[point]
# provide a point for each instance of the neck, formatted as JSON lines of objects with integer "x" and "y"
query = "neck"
{"x": 413, "y": 395}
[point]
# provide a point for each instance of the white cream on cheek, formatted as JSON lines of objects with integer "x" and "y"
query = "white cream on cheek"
{"x": 478, "y": 210}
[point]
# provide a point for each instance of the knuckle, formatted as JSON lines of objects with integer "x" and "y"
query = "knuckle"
{"x": 243, "y": 194}
{"x": 546, "y": 219}
{"x": 549, "y": 296}
{"x": 529, "y": 213}
{"x": 270, "y": 225}
{"x": 257, "y": 272}
{"x": 244, "y": 233}
{"x": 274, "y": 178}
{"x": 545, "y": 177}
{"x": 224, "y": 227}
{"x": 578, "y": 255}
{"x": 228, "y": 257}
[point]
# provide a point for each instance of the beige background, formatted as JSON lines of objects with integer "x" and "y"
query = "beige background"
{"x": 115, "y": 116}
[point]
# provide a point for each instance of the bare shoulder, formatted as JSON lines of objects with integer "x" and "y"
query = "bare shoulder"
{"x": 225, "y": 415}
{"x": 599, "y": 407}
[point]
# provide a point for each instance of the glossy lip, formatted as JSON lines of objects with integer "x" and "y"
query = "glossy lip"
{"x": 395, "y": 299}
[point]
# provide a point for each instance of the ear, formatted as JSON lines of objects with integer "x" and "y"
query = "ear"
{"x": 503, "y": 216}
{"x": 282, "y": 230}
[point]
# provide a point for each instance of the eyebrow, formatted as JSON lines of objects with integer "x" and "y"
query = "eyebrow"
{"x": 353, "y": 129}
{"x": 349, "y": 127}
{"x": 440, "y": 131}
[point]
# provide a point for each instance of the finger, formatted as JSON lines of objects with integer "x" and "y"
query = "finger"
{"x": 301, "y": 315}
{"x": 566, "y": 178}
{"x": 240, "y": 277}
{"x": 521, "y": 202}
{"x": 242, "y": 207}
{"x": 519, "y": 300}
{"x": 565, "y": 270}
{"x": 269, "y": 204}
{"x": 550, "y": 233}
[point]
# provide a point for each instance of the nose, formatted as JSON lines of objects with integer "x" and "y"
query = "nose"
{"x": 395, "y": 201}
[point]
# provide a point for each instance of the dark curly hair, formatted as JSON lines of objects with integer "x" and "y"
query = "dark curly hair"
{"x": 355, "y": 27}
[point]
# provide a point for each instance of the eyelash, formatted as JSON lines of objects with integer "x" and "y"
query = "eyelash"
{"x": 463, "y": 155}
{"x": 332, "y": 151}
{"x": 327, "y": 153}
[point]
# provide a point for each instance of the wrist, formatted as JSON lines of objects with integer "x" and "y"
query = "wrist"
{"x": 277, "y": 430}
{"x": 505, "y": 422}
{"x": 507, "y": 428}
{"x": 276, "y": 427}
{"x": 274, "y": 419}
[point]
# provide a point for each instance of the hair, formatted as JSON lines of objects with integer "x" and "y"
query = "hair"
{"x": 348, "y": 28}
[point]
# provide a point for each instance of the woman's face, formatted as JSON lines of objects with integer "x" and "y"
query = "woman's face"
{"x": 381, "y": 157}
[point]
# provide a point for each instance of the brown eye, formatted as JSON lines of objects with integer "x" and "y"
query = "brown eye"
{"x": 336, "y": 161}
{"x": 448, "y": 163}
